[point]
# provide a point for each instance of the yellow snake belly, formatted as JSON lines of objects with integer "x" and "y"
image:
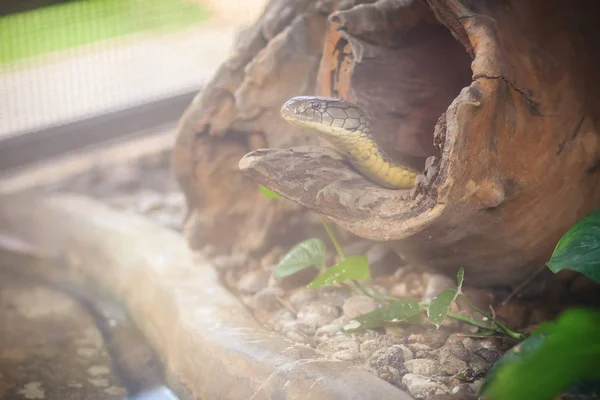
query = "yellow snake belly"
{"x": 347, "y": 128}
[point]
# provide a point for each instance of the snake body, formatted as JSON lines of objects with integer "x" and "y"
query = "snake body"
{"x": 347, "y": 128}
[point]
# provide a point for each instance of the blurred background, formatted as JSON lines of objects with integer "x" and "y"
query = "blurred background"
{"x": 75, "y": 73}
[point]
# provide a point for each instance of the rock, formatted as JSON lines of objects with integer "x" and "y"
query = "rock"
{"x": 395, "y": 330}
{"x": 346, "y": 355}
{"x": 272, "y": 257}
{"x": 339, "y": 343}
{"x": 471, "y": 345}
{"x": 334, "y": 295}
{"x": 267, "y": 299}
{"x": 465, "y": 391}
{"x": 368, "y": 347}
{"x": 303, "y": 297}
{"x": 515, "y": 314}
{"x": 233, "y": 261}
{"x": 423, "y": 366}
{"x": 415, "y": 338}
{"x": 326, "y": 331}
{"x": 299, "y": 326}
{"x": 452, "y": 365}
{"x": 489, "y": 355}
{"x": 382, "y": 260}
{"x": 482, "y": 299}
{"x": 453, "y": 357}
{"x": 392, "y": 356}
{"x": 290, "y": 282}
{"x": 253, "y": 281}
{"x": 420, "y": 350}
{"x": 391, "y": 374}
{"x": 318, "y": 314}
{"x": 455, "y": 348}
{"x": 477, "y": 368}
{"x": 422, "y": 387}
{"x": 279, "y": 318}
{"x": 435, "y": 338}
{"x": 300, "y": 337}
{"x": 410, "y": 284}
{"x": 174, "y": 200}
{"x": 149, "y": 201}
{"x": 358, "y": 305}
{"x": 436, "y": 284}
{"x": 342, "y": 320}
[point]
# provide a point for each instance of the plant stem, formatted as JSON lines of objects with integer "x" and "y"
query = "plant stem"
{"x": 361, "y": 288}
{"x": 471, "y": 321}
{"x": 501, "y": 327}
{"x": 332, "y": 237}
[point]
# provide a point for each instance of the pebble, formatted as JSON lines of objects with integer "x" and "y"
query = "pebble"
{"x": 515, "y": 314}
{"x": 253, "y": 281}
{"x": 279, "y": 318}
{"x": 452, "y": 365}
{"x": 358, "y": 305}
{"x": 423, "y": 366}
{"x": 466, "y": 391}
{"x": 489, "y": 355}
{"x": 298, "y": 326}
{"x": 368, "y": 347}
{"x": 392, "y": 356}
{"x": 477, "y": 369}
{"x": 326, "y": 331}
{"x": 339, "y": 343}
{"x": 436, "y": 284}
{"x": 318, "y": 314}
{"x": 295, "y": 281}
{"x": 303, "y": 297}
{"x": 150, "y": 201}
{"x": 346, "y": 355}
{"x": 299, "y": 337}
{"x": 267, "y": 299}
{"x": 390, "y": 374}
{"x": 455, "y": 348}
{"x": 422, "y": 387}
{"x": 334, "y": 295}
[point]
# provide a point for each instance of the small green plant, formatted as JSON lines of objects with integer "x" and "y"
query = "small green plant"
{"x": 559, "y": 357}
{"x": 354, "y": 272}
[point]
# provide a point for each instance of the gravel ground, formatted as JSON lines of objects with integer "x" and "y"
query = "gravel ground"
{"x": 429, "y": 363}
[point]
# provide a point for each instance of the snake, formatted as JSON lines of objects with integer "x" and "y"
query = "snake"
{"x": 347, "y": 128}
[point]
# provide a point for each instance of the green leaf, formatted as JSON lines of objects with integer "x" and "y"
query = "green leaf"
{"x": 400, "y": 310}
{"x": 440, "y": 305}
{"x": 355, "y": 267}
{"x": 579, "y": 248}
{"x": 303, "y": 255}
{"x": 268, "y": 193}
{"x": 460, "y": 277}
{"x": 563, "y": 354}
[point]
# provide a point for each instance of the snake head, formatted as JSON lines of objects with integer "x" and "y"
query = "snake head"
{"x": 326, "y": 116}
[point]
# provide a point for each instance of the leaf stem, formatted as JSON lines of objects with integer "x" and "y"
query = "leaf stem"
{"x": 498, "y": 325}
{"x": 332, "y": 237}
{"x": 361, "y": 288}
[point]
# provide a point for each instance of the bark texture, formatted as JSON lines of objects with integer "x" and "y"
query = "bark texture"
{"x": 498, "y": 102}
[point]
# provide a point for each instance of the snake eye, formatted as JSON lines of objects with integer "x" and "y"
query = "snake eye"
{"x": 315, "y": 106}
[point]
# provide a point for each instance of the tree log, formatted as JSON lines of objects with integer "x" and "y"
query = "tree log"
{"x": 498, "y": 102}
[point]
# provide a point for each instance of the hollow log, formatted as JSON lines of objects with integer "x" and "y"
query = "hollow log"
{"x": 497, "y": 102}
